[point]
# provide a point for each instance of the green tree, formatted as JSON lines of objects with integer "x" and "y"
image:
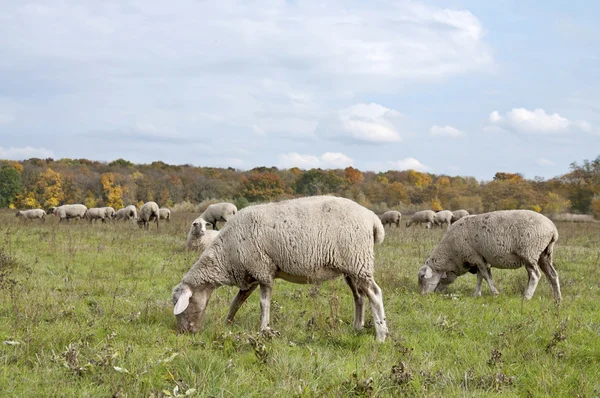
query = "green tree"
{"x": 10, "y": 185}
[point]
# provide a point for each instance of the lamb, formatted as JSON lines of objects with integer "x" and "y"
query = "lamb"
{"x": 458, "y": 214}
{"x": 218, "y": 212}
{"x": 67, "y": 212}
{"x": 164, "y": 214}
{"x": 96, "y": 213}
{"x": 127, "y": 213}
{"x": 32, "y": 214}
{"x": 426, "y": 217}
{"x": 391, "y": 217}
{"x": 274, "y": 240}
{"x": 443, "y": 217}
{"x": 199, "y": 237}
{"x": 148, "y": 212}
{"x": 501, "y": 239}
{"x": 110, "y": 212}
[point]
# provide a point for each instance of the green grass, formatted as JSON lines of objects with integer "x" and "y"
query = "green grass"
{"x": 85, "y": 311}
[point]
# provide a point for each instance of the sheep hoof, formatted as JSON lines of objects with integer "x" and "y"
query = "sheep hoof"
{"x": 269, "y": 333}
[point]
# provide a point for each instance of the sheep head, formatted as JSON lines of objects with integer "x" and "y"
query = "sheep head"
{"x": 199, "y": 226}
{"x": 189, "y": 306}
{"x": 429, "y": 279}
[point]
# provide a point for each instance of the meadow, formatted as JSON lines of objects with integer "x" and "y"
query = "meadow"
{"x": 85, "y": 310}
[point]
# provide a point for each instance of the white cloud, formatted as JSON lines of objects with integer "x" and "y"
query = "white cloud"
{"x": 545, "y": 162}
{"x": 25, "y": 153}
{"x": 447, "y": 131}
{"x": 402, "y": 164}
{"x": 328, "y": 160}
{"x": 362, "y": 122}
{"x": 537, "y": 122}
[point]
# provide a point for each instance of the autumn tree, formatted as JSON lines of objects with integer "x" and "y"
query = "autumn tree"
{"x": 113, "y": 192}
{"x": 262, "y": 186}
{"x": 353, "y": 176}
{"x": 49, "y": 188}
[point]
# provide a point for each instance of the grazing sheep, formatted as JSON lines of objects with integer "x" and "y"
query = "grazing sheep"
{"x": 458, "y": 214}
{"x": 127, "y": 213}
{"x": 67, "y": 212}
{"x": 33, "y": 214}
{"x": 391, "y": 217}
{"x": 426, "y": 217}
{"x": 443, "y": 217}
{"x": 110, "y": 212}
{"x": 218, "y": 212}
{"x": 274, "y": 240}
{"x": 501, "y": 239}
{"x": 51, "y": 210}
{"x": 96, "y": 213}
{"x": 164, "y": 214}
{"x": 199, "y": 237}
{"x": 148, "y": 212}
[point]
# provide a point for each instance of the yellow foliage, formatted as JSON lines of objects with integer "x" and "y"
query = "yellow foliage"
{"x": 382, "y": 180}
{"x": 11, "y": 206}
{"x": 436, "y": 205}
{"x": 30, "y": 202}
{"x": 49, "y": 184}
{"x": 443, "y": 181}
{"x": 536, "y": 208}
{"x": 17, "y": 166}
{"x": 418, "y": 179}
{"x": 113, "y": 192}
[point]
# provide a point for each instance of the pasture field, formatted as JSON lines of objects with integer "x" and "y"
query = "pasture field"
{"x": 85, "y": 310}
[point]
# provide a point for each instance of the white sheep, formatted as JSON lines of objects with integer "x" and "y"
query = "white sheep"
{"x": 218, "y": 212}
{"x": 305, "y": 240}
{"x": 198, "y": 236}
{"x": 426, "y": 217}
{"x": 164, "y": 214}
{"x": 67, "y": 212}
{"x": 96, "y": 213}
{"x": 148, "y": 212}
{"x": 33, "y": 214}
{"x": 501, "y": 239}
{"x": 110, "y": 212}
{"x": 443, "y": 217}
{"x": 127, "y": 213}
{"x": 391, "y": 217}
{"x": 458, "y": 214}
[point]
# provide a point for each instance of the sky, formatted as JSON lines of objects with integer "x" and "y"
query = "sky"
{"x": 457, "y": 87}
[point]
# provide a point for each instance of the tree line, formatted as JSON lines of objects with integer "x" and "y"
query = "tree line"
{"x": 44, "y": 183}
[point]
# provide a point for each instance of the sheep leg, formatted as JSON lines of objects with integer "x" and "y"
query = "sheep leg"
{"x": 548, "y": 269}
{"x": 238, "y": 300}
{"x": 485, "y": 272}
{"x": 376, "y": 301}
{"x": 265, "y": 306}
{"x": 359, "y": 304}
{"x": 534, "y": 277}
{"x": 214, "y": 225}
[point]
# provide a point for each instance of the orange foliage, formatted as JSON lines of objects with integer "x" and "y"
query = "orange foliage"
{"x": 353, "y": 176}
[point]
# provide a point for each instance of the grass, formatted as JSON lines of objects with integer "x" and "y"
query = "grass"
{"x": 85, "y": 311}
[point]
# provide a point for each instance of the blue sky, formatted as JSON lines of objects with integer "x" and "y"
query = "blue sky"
{"x": 450, "y": 87}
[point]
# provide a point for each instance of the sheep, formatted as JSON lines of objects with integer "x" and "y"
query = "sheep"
{"x": 96, "y": 213}
{"x": 67, "y": 212}
{"x": 458, "y": 214}
{"x": 164, "y": 214}
{"x": 148, "y": 212}
{"x": 199, "y": 237}
{"x": 127, "y": 213}
{"x": 443, "y": 217}
{"x": 500, "y": 239}
{"x": 218, "y": 212}
{"x": 391, "y": 217}
{"x": 304, "y": 240}
{"x": 110, "y": 212}
{"x": 426, "y": 217}
{"x": 32, "y": 214}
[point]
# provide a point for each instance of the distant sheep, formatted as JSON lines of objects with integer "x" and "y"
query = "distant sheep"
{"x": 96, "y": 213}
{"x": 164, "y": 214}
{"x": 198, "y": 236}
{"x": 110, "y": 212}
{"x": 218, "y": 212}
{"x": 458, "y": 214}
{"x": 506, "y": 239}
{"x": 68, "y": 212}
{"x": 391, "y": 217}
{"x": 33, "y": 214}
{"x": 127, "y": 213}
{"x": 443, "y": 217}
{"x": 426, "y": 217}
{"x": 305, "y": 240}
{"x": 148, "y": 213}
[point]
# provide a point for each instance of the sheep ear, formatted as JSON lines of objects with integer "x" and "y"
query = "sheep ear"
{"x": 183, "y": 301}
{"x": 428, "y": 273}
